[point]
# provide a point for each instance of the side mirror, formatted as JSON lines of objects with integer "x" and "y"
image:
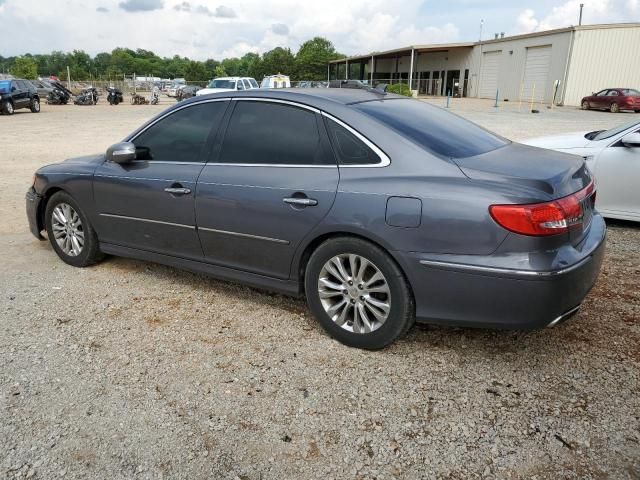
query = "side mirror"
{"x": 122, "y": 152}
{"x": 631, "y": 140}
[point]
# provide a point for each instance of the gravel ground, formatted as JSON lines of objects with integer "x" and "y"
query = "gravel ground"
{"x": 135, "y": 370}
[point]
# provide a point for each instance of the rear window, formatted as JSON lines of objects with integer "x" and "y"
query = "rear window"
{"x": 230, "y": 84}
{"x": 630, "y": 92}
{"x": 433, "y": 128}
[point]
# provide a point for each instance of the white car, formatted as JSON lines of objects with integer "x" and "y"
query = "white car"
{"x": 229, "y": 84}
{"x": 614, "y": 158}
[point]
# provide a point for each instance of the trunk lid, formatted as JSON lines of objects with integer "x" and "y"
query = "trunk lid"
{"x": 543, "y": 173}
{"x": 538, "y": 175}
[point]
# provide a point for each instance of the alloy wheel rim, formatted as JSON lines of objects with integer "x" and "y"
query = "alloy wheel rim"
{"x": 354, "y": 293}
{"x": 9, "y": 107}
{"x": 36, "y": 106}
{"x": 67, "y": 229}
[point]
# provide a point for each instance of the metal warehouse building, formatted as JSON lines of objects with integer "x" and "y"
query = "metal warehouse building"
{"x": 561, "y": 65}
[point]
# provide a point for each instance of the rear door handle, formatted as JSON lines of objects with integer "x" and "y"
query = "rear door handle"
{"x": 177, "y": 190}
{"x": 304, "y": 202}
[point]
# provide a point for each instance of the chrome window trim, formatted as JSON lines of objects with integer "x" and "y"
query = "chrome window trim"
{"x": 147, "y": 127}
{"x": 385, "y": 161}
{"x": 523, "y": 273}
{"x": 245, "y": 235}
{"x": 147, "y": 220}
{"x": 167, "y": 162}
{"x": 271, "y": 165}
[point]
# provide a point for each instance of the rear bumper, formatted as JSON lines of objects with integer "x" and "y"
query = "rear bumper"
{"x": 33, "y": 201}
{"x": 495, "y": 296}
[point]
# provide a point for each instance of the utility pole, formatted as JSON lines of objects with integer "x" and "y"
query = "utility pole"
{"x": 580, "y": 19}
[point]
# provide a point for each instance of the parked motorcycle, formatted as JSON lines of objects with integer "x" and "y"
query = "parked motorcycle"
{"x": 88, "y": 96}
{"x": 114, "y": 96}
{"x": 60, "y": 95}
{"x": 155, "y": 96}
{"x": 137, "y": 99}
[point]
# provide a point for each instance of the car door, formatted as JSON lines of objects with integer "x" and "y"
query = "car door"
{"x": 149, "y": 203}
{"x": 617, "y": 171}
{"x": 272, "y": 179}
{"x": 599, "y": 99}
{"x": 20, "y": 95}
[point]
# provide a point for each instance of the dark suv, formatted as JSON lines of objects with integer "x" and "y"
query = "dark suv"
{"x": 15, "y": 94}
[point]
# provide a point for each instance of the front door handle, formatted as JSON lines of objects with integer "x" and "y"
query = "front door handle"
{"x": 177, "y": 190}
{"x": 303, "y": 202}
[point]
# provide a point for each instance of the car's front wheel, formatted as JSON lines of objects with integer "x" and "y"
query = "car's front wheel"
{"x": 7, "y": 108}
{"x": 35, "y": 106}
{"x": 70, "y": 233}
{"x": 585, "y": 105}
{"x": 358, "y": 293}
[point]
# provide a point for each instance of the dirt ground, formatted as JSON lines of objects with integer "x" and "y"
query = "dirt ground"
{"x": 135, "y": 370}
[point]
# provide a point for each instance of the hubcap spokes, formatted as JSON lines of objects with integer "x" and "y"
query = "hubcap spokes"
{"x": 67, "y": 229}
{"x": 354, "y": 293}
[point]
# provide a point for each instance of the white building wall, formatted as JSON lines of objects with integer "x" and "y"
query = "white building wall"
{"x": 601, "y": 58}
{"x": 513, "y": 54}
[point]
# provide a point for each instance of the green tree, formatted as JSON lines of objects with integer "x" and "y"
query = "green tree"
{"x": 279, "y": 60}
{"x": 312, "y": 59}
{"x": 220, "y": 71}
{"x": 24, "y": 67}
{"x": 195, "y": 72}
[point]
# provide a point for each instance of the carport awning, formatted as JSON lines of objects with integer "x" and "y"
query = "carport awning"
{"x": 405, "y": 51}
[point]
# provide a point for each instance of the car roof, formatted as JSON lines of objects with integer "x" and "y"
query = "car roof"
{"x": 318, "y": 97}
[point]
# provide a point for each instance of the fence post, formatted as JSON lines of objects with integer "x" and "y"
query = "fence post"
{"x": 520, "y": 97}
{"x": 497, "y": 93}
{"x": 448, "y": 97}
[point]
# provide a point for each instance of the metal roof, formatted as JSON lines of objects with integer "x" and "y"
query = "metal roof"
{"x": 448, "y": 46}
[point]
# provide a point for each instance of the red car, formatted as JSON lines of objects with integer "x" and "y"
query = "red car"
{"x": 613, "y": 99}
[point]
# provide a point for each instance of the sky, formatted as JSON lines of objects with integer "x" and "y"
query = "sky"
{"x": 202, "y": 29}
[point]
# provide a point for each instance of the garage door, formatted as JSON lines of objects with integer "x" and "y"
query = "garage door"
{"x": 536, "y": 73}
{"x": 490, "y": 72}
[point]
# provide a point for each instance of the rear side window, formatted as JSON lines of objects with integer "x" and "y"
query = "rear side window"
{"x": 273, "y": 134}
{"x": 181, "y": 136}
{"x": 433, "y": 128}
{"x": 349, "y": 148}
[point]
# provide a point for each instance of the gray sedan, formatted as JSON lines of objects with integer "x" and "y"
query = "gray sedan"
{"x": 381, "y": 210}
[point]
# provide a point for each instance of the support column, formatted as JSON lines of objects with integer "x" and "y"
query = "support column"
{"x": 346, "y": 69}
{"x": 411, "y": 70}
{"x": 373, "y": 68}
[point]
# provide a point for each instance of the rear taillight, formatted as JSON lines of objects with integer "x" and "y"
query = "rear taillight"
{"x": 549, "y": 218}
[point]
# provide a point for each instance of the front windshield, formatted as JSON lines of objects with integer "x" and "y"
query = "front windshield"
{"x": 229, "y": 84}
{"x": 5, "y": 86}
{"x": 616, "y": 130}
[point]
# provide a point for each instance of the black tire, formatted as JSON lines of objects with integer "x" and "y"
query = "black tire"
{"x": 614, "y": 108}
{"x": 35, "y": 105}
{"x": 7, "y": 108}
{"x": 401, "y": 316}
{"x": 90, "y": 252}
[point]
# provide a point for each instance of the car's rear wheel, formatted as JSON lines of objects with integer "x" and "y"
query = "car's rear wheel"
{"x": 585, "y": 105}
{"x": 70, "y": 233}
{"x": 614, "y": 108}
{"x": 358, "y": 293}
{"x": 35, "y": 106}
{"x": 7, "y": 108}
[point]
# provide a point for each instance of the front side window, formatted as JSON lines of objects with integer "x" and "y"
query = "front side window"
{"x": 181, "y": 136}
{"x": 349, "y": 148}
{"x": 432, "y": 128}
{"x": 273, "y": 134}
{"x": 613, "y": 93}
